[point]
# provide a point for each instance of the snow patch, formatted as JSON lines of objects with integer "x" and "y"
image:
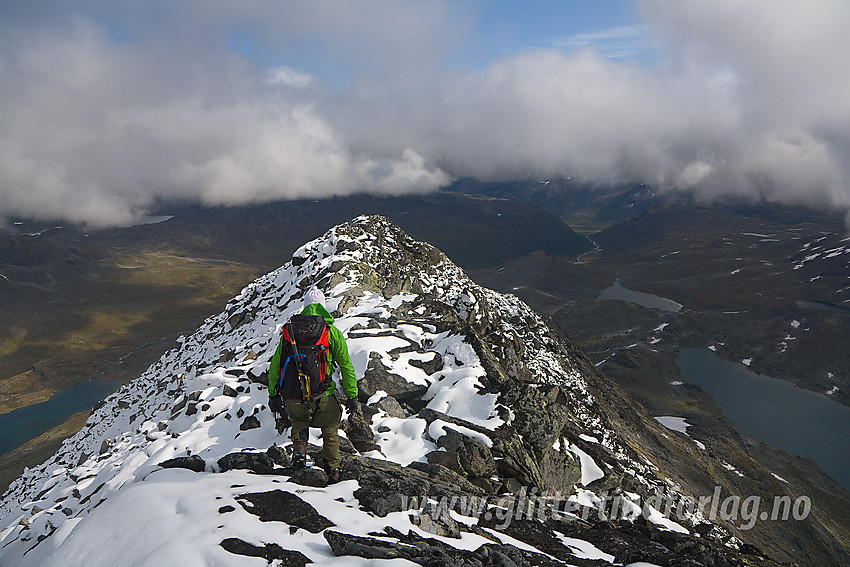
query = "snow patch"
{"x": 590, "y": 471}
{"x": 675, "y": 423}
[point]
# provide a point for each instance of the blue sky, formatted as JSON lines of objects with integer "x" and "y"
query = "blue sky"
{"x": 492, "y": 30}
{"x": 508, "y": 28}
{"x": 109, "y": 107}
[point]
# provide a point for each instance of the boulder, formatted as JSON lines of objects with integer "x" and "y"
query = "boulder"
{"x": 446, "y": 459}
{"x": 378, "y": 377}
{"x": 313, "y": 477}
{"x": 259, "y": 463}
{"x": 391, "y": 406}
{"x": 193, "y": 463}
{"x": 250, "y": 422}
{"x": 360, "y": 433}
{"x": 440, "y": 524}
{"x": 429, "y": 366}
{"x": 278, "y": 456}
{"x": 541, "y": 414}
{"x": 388, "y": 487}
{"x": 282, "y": 506}
{"x": 474, "y": 456}
{"x": 269, "y": 552}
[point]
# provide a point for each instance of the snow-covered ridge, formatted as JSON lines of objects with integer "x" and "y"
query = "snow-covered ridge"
{"x": 408, "y": 312}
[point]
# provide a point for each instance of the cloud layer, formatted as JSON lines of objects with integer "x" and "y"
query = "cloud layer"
{"x": 108, "y": 108}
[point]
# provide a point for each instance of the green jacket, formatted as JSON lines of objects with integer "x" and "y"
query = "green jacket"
{"x": 338, "y": 356}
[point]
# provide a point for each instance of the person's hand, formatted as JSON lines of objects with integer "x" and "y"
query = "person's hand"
{"x": 352, "y": 405}
{"x": 276, "y": 404}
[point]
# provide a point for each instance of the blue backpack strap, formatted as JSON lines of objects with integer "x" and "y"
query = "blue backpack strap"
{"x": 282, "y": 372}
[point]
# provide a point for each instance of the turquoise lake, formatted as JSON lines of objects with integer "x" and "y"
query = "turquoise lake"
{"x": 19, "y": 426}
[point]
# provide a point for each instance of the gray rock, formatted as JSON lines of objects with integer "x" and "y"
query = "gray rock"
{"x": 278, "y": 456}
{"x": 474, "y": 456}
{"x": 282, "y": 506}
{"x": 249, "y": 422}
{"x": 378, "y": 377}
{"x": 360, "y": 433}
{"x": 440, "y": 524}
{"x": 269, "y": 552}
{"x": 446, "y": 459}
{"x": 367, "y": 547}
{"x": 429, "y": 366}
{"x": 255, "y": 374}
{"x": 390, "y": 405}
{"x": 193, "y": 463}
{"x": 316, "y": 478}
{"x": 388, "y": 487}
{"x": 540, "y": 415}
{"x": 514, "y": 459}
{"x": 105, "y": 445}
{"x": 260, "y": 463}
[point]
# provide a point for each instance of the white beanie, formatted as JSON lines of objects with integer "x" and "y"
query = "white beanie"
{"x": 315, "y": 295}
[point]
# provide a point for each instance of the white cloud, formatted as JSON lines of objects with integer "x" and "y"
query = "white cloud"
{"x": 100, "y": 120}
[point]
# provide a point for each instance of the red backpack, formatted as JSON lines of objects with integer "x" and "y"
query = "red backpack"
{"x": 304, "y": 358}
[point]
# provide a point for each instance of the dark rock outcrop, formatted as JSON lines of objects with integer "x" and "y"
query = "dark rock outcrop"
{"x": 260, "y": 463}
{"x": 250, "y": 422}
{"x": 269, "y": 552}
{"x": 387, "y": 487}
{"x": 282, "y": 506}
{"x": 377, "y": 377}
{"x": 193, "y": 463}
{"x": 473, "y": 455}
{"x": 432, "y": 552}
{"x": 429, "y": 366}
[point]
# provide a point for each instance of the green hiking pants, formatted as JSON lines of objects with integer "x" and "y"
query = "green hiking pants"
{"x": 327, "y": 413}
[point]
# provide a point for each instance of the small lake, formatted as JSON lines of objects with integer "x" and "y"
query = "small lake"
{"x": 19, "y": 426}
{"x": 621, "y": 293}
{"x": 775, "y": 411}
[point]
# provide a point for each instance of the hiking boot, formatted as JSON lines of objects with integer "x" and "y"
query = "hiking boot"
{"x": 299, "y": 454}
{"x": 333, "y": 476}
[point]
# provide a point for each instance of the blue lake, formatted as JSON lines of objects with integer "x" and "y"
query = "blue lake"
{"x": 775, "y": 411}
{"x": 652, "y": 301}
{"x": 19, "y": 426}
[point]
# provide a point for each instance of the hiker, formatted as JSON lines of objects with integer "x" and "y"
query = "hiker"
{"x": 306, "y": 400}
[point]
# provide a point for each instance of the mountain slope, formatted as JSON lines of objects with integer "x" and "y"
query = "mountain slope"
{"x": 107, "y": 303}
{"x": 473, "y": 403}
